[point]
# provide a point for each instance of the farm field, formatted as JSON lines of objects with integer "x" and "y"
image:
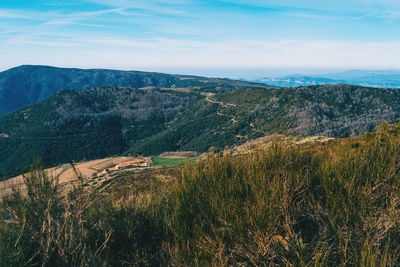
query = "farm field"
{"x": 171, "y": 161}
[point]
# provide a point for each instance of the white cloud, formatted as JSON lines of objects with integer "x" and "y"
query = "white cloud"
{"x": 67, "y": 22}
{"x": 124, "y": 53}
{"x": 159, "y": 6}
{"x": 302, "y": 54}
{"x": 48, "y": 35}
{"x": 16, "y": 14}
{"x": 7, "y": 32}
{"x": 97, "y": 13}
{"x": 44, "y": 43}
{"x": 56, "y": 16}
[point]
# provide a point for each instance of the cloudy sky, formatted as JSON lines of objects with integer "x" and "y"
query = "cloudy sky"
{"x": 201, "y": 36}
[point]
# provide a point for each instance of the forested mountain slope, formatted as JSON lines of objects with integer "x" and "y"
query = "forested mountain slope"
{"x": 331, "y": 110}
{"x": 86, "y": 124}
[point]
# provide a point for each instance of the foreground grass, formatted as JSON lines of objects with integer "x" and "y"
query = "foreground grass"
{"x": 335, "y": 204}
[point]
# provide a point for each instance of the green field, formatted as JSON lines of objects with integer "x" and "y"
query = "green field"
{"x": 167, "y": 161}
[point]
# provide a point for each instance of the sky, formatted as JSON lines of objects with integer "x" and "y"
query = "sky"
{"x": 229, "y": 38}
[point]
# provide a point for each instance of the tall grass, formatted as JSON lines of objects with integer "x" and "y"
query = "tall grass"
{"x": 288, "y": 205}
{"x": 50, "y": 225}
{"x": 335, "y": 204}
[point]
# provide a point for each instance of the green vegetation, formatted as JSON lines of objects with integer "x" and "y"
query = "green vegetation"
{"x": 170, "y": 161}
{"x": 329, "y": 204}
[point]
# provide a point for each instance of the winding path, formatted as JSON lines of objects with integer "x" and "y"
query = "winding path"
{"x": 222, "y": 104}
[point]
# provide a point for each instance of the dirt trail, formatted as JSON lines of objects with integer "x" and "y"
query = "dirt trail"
{"x": 222, "y": 104}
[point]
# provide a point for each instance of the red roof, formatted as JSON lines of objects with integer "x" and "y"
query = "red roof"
{"x": 126, "y": 163}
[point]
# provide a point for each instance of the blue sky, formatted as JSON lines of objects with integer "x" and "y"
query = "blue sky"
{"x": 220, "y": 37}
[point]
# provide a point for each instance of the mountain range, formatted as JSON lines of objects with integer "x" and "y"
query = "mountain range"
{"x": 382, "y": 79}
{"x": 27, "y": 84}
